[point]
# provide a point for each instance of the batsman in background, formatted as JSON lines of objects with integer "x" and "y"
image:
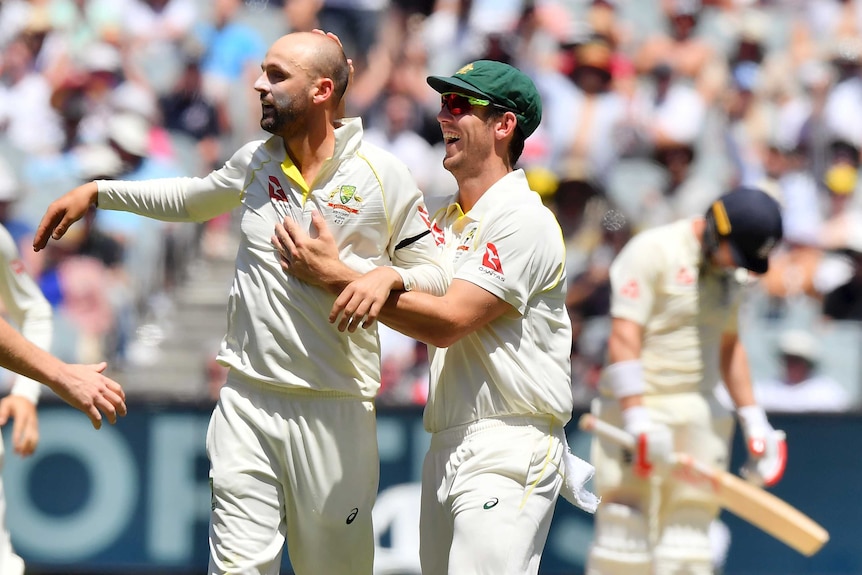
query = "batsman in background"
{"x": 676, "y": 292}
{"x": 293, "y": 440}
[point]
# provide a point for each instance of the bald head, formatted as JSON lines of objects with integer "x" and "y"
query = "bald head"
{"x": 319, "y": 55}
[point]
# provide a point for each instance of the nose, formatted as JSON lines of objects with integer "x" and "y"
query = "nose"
{"x": 261, "y": 85}
{"x": 444, "y": 115}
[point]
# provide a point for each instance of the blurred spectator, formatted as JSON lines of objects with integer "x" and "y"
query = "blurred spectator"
{"x": 186, "y": 110}
{"x": 231, "y": 53}
{"x": 357, "y": 24}
{"x": 798, "y": 387}
{"x": 583, "y": 113}
{"x": 396, "y": 133}
{"x": 26, "y": 115}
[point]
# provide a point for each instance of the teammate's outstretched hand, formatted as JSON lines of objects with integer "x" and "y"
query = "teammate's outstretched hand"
{"x": 63, "y": 212}
{"x": 85, "y": 388}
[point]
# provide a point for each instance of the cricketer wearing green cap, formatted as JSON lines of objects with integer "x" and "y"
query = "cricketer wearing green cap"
{"x": 499, "y": 339}
{"x": 503, "y": 85}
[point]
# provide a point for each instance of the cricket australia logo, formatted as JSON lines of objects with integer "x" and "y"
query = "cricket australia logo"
{"x": 344, "y": 202}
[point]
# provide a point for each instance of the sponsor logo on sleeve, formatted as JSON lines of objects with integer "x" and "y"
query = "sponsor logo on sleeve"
{"x": 17, "y": 266}
{"x": 630, "y": 290}
{"x": 491, "y": 263}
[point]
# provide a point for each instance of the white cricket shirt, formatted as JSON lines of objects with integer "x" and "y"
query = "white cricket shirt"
{"x": 510, "y": 245}
{"x": 278, "y": 331}
{"x": 657, "y": 282}
{"x": 26, "y": 307}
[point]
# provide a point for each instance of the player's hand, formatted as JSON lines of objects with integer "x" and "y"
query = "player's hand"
{"x": 362, "y": 299}
{"x": 314, "y": 260}
{"x": 63, "y": 212}
{"x": 85, "y": 388}
{"x": 767, "y": 448}
{"x": 25, "y": 427}
{"x": 653, "y": 441}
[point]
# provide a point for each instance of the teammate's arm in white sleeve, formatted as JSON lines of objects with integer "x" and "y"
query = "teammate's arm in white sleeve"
{"x": 182, "y": 199}
{"x": 27, "y": 309}
{"x": 412, "y": 250}
{"x": 168, "y": 199}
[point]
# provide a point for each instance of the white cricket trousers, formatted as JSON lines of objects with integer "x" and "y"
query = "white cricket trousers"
{"x": 10, "y": 563}
{"x": 488, "y": 495}
{"x": 300, "y": 467}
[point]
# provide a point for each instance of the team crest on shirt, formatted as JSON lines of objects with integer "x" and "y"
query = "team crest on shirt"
{"x": 344, "y": 202}
{"x": 491, "y": 263}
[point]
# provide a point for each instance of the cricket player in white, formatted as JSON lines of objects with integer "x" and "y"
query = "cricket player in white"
{"x": 676, "y": 292}
{"x": 28, "y": 309}
{"x": 500, "y": 373}
{"x": 292, "y": 442}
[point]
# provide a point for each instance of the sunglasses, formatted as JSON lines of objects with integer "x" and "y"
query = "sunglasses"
{"x": 459, "y": 104}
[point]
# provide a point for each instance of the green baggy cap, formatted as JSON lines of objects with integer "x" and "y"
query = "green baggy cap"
{"x": 500, "y": 83}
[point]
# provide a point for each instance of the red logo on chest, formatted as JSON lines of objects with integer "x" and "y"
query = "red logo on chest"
{"x": 276, "y": 192}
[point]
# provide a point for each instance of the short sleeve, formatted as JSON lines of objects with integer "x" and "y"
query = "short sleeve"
{"x": 633, "y": 276}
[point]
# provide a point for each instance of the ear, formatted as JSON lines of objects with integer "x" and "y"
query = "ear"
{"x": 506, "y": 125}
{"x": 324, "y": 89}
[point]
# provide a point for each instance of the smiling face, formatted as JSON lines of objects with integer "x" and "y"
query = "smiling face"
{"x": 469, "y": 138}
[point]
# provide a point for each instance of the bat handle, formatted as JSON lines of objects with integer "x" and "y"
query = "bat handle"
{"x": 604, "y": 430}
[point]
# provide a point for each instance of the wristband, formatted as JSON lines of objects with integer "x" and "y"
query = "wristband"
{"x": 636, "y": 419}
{"x": 625, "y": 378}
{"x": 752, "y": 417}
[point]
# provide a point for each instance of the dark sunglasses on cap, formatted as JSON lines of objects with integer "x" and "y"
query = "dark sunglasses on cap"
{"x": 458, "y": 104}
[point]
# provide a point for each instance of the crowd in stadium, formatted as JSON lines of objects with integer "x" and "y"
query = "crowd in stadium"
{"x": 651, "y": 110}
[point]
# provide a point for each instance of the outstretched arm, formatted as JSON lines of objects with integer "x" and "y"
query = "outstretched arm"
{"x": 81, "y": 386}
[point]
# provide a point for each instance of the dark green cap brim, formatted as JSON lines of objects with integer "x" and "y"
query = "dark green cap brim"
{"x": 444, "y": 84}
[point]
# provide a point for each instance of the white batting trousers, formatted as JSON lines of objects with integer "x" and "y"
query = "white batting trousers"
{"x": 10, "y": 563}
{"x": 296, "y": 467}
{"x": 488, "y": 495}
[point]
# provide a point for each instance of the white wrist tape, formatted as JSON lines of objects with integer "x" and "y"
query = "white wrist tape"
{"x": 752, "y": 417}
{"x": 636, "y": 419}
{"x": 625, "y": 378}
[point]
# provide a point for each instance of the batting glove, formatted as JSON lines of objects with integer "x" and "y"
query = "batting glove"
{"x": 653, "y": 441}
{"x": 767, "y": 448}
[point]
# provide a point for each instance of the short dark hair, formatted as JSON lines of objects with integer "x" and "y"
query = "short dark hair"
{"x": 516, "y": 145}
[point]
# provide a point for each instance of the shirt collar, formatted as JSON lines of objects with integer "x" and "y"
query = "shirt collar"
{"x": 514, "y": 182}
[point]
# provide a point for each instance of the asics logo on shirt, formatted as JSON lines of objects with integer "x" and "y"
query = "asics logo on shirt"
{"x": 276, "y": 192}
{"x": 491, "y": 503}
{"x": 353, "y": 513}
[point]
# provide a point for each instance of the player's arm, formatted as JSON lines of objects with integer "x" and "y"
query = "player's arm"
{"x": 767, "y": 450}
{"x": 168, "y": 199}
{"x": 439, "y": 320}
{"x": 735, "y": 370}
{"x": 624, "y": 352}
{"x": 81, "y": 386}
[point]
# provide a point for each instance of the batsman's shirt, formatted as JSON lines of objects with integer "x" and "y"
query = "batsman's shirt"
{"x": 278, "y": 330}
{"x": 510, "y": 245}
{"x": 658, "y": 282}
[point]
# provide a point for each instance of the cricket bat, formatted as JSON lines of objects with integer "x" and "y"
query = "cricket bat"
{"x": 745, "y": 500}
